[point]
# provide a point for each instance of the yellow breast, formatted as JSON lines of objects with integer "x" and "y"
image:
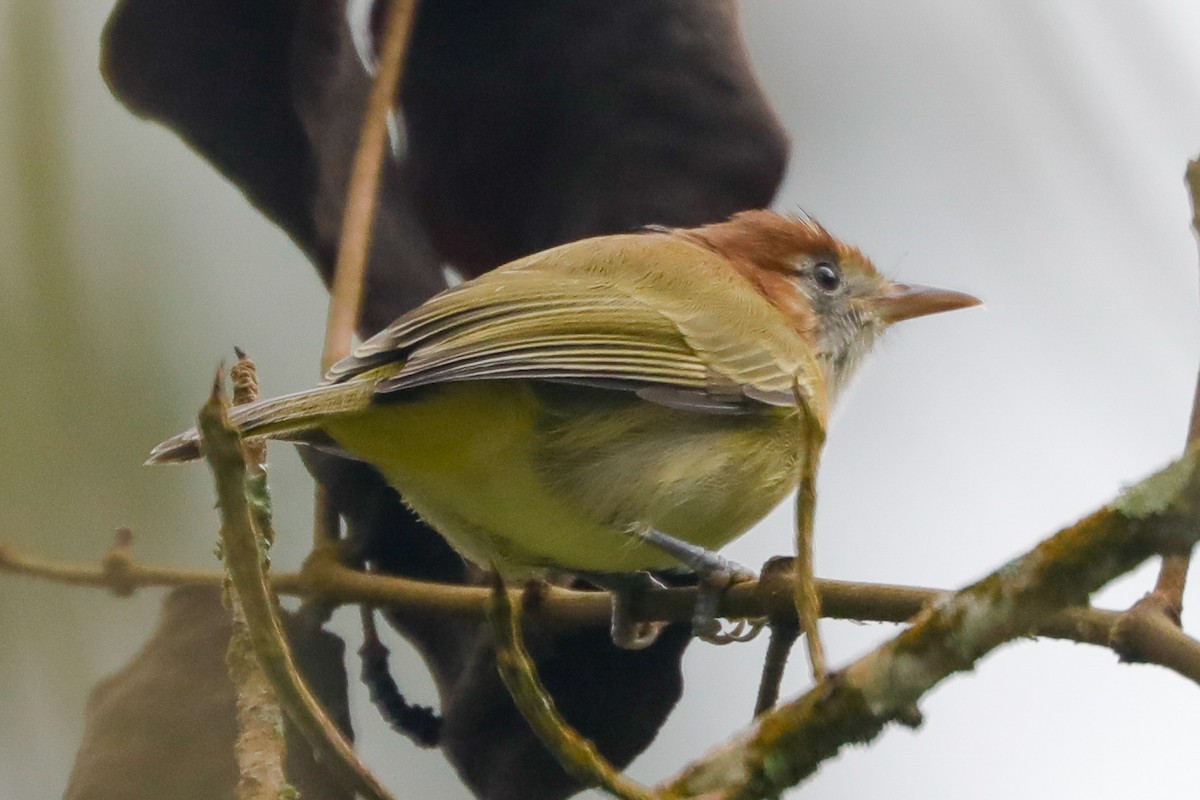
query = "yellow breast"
{"x": 529, "y": 476}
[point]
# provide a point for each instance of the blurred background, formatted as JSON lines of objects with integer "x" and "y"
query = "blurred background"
{"x": 1028, "y": 151}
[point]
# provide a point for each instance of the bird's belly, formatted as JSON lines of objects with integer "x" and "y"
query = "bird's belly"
{"x": 528, "y": 479}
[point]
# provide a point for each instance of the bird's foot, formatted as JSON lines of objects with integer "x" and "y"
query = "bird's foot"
{"x": 627, "y": 589}
{"x": 715, "y": 574}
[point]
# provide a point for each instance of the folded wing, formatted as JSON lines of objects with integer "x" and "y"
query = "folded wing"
{"x": 647, "y": 313}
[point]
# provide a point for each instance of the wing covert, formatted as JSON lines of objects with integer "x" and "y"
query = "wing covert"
{"x": 607, "y": 312}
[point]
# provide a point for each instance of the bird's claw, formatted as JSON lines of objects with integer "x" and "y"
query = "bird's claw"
{"x": 626, "y": 632}
{"x": 740, "y": 630}
{"x": 717, "y": 575}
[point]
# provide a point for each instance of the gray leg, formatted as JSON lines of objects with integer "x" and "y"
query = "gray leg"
{"x": 715, "y": 574}
{"x": 696, "y": 558}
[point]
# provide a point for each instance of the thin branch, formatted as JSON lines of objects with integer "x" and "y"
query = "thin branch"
{"x": 243, "y": 558}
{"x": 349, "y": 276}
{"x": 326, "y": 532}
{"x": 1165, "y": 602}
{"x": 358, "y": 220}
{"x": 1172, "y": 577}
{"x": 1192, "y": 179}
{"x": 783, "y": 637}
{"x": 419, "y": 723}
{"x": 775, "y": 579}
{"x": 574, "y": 752}
{"x": 810, "y": 400}
{"x": 132, "y": 576}
{"x": 259, "y": 748}
{"x": 330, "y": 581}
{"x": 788, "y": 743}
{"x": 338, "y": 585}
{"x": 116, "y": 564}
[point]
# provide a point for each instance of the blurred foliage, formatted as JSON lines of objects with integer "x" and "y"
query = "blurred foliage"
{"x": 103, "y": 290}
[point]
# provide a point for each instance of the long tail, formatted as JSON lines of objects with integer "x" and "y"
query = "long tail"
{"x": 286, "y": 417}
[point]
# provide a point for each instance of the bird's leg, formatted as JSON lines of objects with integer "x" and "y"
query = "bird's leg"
{"x": 626, "y": 589}
{"x": 714, "y": 574}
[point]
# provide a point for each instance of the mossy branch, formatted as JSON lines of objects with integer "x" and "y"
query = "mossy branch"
{"x": 244, "y": 560}
{"x": 787, "y": 744}
{"x": 260, "y": 747}
{"x": 1165, "y": 602}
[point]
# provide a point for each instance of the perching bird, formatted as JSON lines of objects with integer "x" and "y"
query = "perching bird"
{"x": 598, "y": 407}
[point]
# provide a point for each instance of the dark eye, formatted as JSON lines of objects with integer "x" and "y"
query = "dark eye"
{"x": 827, "y": 276}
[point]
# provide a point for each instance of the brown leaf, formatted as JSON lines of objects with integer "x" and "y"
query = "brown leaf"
{"x": 163, "y": 726}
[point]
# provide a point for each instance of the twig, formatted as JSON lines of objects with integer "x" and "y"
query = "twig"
{"x": 783, "y": 637}
{"x": 325, "y": 538}
{"x": 330, "y": 581}
{"x": 418, "y": 723}
{"x": 131, "y": 577}
{"x": 777, "y": 594}
{"x": 1173, "y": 575}
{"x": 788, "y": 743}
{"x": 358, "y": 220}
{"x": 336, "y": 584}
{"x": 243, "y": 558}
{"x": 345, "y": 295}
{"x": 811, "y": 403}
{"x": 1166, "y": 600}
{"x": 259, "y": 748}
{"x": 117, "y": 563}
{"x": 577, "y": 755}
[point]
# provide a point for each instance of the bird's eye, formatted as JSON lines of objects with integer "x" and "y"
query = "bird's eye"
{"x": 827, "y": 276}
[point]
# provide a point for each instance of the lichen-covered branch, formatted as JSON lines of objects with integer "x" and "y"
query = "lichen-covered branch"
{"x": 243, "y": 559}
{"x": 1164, "y": 605}
{"x": 260, "y": 746}
{"x": 1173, "y": 576}
{"x": 950, "y": 635}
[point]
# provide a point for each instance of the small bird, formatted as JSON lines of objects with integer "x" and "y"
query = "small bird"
{"x": 610, "y": 406}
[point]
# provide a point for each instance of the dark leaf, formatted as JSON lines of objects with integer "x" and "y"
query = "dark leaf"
{"x": 163, "y": 726}
{"x": 528, "y": 123}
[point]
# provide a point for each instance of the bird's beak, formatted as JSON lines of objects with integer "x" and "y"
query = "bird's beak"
{"x": 905, "y": 301}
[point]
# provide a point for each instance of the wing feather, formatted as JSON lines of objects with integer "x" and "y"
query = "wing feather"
{"x": 620, "y": 312}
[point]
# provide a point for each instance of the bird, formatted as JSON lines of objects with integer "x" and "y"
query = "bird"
{"x": 608, "y": 407}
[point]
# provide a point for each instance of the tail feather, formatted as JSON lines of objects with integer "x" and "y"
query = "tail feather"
{"x": 286, "y": 417}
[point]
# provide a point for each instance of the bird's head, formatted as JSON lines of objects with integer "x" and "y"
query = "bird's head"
{"x": 830, "y": 291}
